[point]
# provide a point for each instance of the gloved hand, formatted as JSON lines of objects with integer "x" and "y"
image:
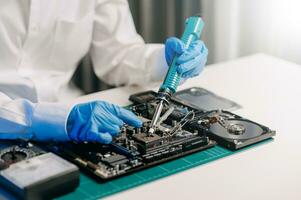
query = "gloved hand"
{"x": 191, "y": 61}
{"x": 98, "y": 121}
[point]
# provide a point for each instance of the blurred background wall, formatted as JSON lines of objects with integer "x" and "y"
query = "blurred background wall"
{"x": 234, "y": 28}
{"x": 156, "y": 20}
{"x": 238, "y": 28}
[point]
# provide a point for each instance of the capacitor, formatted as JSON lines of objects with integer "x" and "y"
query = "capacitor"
{"x": 131, "y": 144}
{"x": 138, "y": 130}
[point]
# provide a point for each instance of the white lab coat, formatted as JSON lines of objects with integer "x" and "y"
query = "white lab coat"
{"x": 41, "y": 43}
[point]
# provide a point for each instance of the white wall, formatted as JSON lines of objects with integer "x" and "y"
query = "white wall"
{"x": 241, "y": 27}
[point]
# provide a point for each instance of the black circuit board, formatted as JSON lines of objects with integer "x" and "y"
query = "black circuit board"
{"x": 184, "y": 130}
{"x": 135, "y": 149}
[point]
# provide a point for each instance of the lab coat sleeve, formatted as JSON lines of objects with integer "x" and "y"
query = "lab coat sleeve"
{"x": 118, "y": 52}
{"x": 22, "y": 119}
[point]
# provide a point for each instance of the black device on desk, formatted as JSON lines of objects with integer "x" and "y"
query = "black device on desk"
{"x": 29, "y": 172}
{"x": 183, "y": 128}
{"x": 205, "y": 100}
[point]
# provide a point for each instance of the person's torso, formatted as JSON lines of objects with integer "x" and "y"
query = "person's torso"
{"x": 41, "y": 42}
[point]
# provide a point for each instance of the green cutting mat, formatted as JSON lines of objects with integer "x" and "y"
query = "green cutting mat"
{"x": 89, "y": 189}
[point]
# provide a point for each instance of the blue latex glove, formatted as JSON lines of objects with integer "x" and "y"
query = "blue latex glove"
{"x": 191, "y": 61}
{"x": 98, "y": 121}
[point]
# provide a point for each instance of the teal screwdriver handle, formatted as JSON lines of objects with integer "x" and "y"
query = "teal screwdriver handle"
{"x": 193, "y": 28}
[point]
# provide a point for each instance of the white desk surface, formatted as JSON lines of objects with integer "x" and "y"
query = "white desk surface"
{"x": 269, "y": 89}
